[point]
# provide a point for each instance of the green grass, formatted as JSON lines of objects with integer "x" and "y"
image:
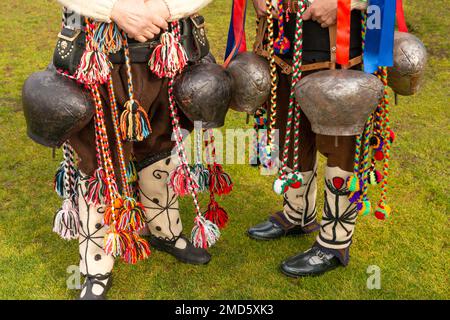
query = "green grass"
{"x": 411, "y": 248}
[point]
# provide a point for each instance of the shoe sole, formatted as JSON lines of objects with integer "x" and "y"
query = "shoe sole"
{"x": 301, "y": 275}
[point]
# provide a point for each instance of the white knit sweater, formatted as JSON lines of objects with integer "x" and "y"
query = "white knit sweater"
{"x": 100, "y": 10}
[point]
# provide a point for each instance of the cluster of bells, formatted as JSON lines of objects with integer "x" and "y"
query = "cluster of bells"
{"x": 336, "y": 102}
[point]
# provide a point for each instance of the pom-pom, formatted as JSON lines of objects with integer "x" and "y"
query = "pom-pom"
{"x": 391, "y": 136}
{"x": 375, "y": 177}
{"x": 108, "y": 37}
{"x": 181, "y": 182}
{"x": 94, "y": 68}
{"x": 279, "y": 186}
{"x": 216, "y": 214}
{"x": 138, "y": 249}
{"x": 364, "y": 208}
{"x": 354, "y": 197}
{"x": 67, "y": 221}
{"x": 353, "y": 183}
{"x": 97, "y": 188}
{"x": 201, "y": 176}
{"x": 379, "y": 155}
{"x": 382, "y": 212}
{"x": 205, "y": 233}
{"x": 282, "y": 45}
{"x": 134, "y": 123}
{"x": 168, "y": 58}
{"x": 219, "y": 182}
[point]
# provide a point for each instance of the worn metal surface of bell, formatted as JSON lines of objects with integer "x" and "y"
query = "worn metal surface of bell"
{"x": 410, "y": 58}
{"x": 203, "y": 93}
{"x": 55, "y": 107}
{"x": 338, "y": 102}
{"x": 251, "y": 82}
{"x": 209, "y": 58}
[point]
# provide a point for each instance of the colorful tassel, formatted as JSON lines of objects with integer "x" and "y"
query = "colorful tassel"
{"x": 375, "y": 177}
{"x": 383, "y": 211}
{"x": 138, "y": 249}
{"x": 58, "y": 182}
{"x": 201, "y": 176}
{"x": 67, "y": 221}
{"x": 108, "y": 38}
{"x": 205, "y": 233}
{"x": 115, "y": 242}
{"x": 364, "y": 208}
{"x": 131, "y": 216}
{"x": 216, "y": 214}
{"x": 219, "y": 182}
{"x": 94, "y": 68}
{"x": 134, "y": 122}
{"x": 97, "y": 188}
{"x": 168, "y": 58}
{"x": 181, "y": 183}
{"x": 353, "y": 183}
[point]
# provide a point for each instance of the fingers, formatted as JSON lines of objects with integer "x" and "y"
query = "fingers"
{"x": 307, "y": 15}
{"x": 148, "y": 34}
{"x": 160, "y": 23}
{"x": 140, "y": 38}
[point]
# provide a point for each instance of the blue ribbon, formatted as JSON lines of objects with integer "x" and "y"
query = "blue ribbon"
{"x": 379, "y": 42}
{"x": 237, "y": 22}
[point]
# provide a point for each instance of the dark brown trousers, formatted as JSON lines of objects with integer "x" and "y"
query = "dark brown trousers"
{"x": 338, "y": 150}
{"x": 151, "y": 92}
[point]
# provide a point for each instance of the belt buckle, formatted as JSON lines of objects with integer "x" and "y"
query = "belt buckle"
{"x": 70, "y": 39}
{"x": 198, "y": 26}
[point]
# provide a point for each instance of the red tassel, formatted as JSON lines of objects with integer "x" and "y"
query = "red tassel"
{"x": 180, "y": 181}
{"x": 216, "y": 214}
{"x": 94, "y": 68}
{"x": 168, "y": 58}
{"x": 219, "y": 182}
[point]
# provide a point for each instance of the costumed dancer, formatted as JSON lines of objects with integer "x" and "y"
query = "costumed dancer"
{"x": 339, "y": 116}
{"x": 127, "y": 179}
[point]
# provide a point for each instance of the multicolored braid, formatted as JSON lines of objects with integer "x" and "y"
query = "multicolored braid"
{"x": 282, "y": 43}
{"x": 294, "y": 179}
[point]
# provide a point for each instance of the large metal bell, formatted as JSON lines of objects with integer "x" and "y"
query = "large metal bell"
{"x": 410, "y": 58}
{"x": 203, "y": 93}
{"x": 338, "y": 102}
{"x": 251, "y": 82}
{"x": 55, "y": 107}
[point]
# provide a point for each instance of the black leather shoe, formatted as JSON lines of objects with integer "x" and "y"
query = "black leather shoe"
{"x": 277, "y": 226}
{"x": 190, "y": 254}
{"x": 88, "y": 285}
{"x": 313, "y": 262}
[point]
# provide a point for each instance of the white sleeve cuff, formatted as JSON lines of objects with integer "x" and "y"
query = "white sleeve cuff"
{"x": 359, "y": 4}
{"x": 99, "y": 10}
{"x": 183, "y": 8}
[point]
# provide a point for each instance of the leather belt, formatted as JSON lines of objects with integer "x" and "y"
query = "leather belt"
{"x": 139, "y": 52}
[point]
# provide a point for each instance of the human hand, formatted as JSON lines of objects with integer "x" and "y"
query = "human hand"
{"x": 137, "y": 19}
{"x": 261, "y": 8}
{"x": 322, "y": 11}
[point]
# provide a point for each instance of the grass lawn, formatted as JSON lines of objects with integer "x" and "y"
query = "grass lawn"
{"x": 411, "y": 248}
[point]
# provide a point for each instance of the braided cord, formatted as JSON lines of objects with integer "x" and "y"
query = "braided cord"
{"x": 386, "y": 129}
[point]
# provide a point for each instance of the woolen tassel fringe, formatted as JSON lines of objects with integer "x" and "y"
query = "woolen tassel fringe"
{"x": 67, "y": 221}
{"x": 201, "y": 176}
{"x": 364, "y": 208}
{"x": 134, "y": 123}
{"x": 132, "y": 175}
{"x": 168, "y": 58}
{"x": 179, "y": 181}
{"x": 282, "y": 45}
{"x": 97, "y": 188}
{"x": 131, "y": 216}
{"x": 94, "y": 68}
{"x": 383, "y": 211}
{"x": 375, "y": 177}
{"x": 115, "y": 242}
{"x": 216, "y": 214}
{"x": 219, "y": 182}
{"x": 137, "y": 250}
{"x": 353, "y": 183}
{"x": 108, "y": 37}
{"x": 205, "y": 233}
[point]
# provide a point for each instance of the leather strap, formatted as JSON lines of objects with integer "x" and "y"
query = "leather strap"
{"x": 332, "y": 30}
{"x": 139, "y": 53}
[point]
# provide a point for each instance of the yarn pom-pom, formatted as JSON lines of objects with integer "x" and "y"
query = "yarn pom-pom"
{"x": 364, "y": 208}
{"x": 58, "y": 182}
{"x": 67, "y": 221}
{"x": 379, "y": 155}
{"x": 279, "y": 186}
{"x": 282, "y": 46}
{"x": 219, "y": 181}
{"x": 201, "y": 176}
{"x": 137, "y": 250}
{"x": 354, "y": 197}
{"x": 181, "y": 182}
{"x": 216, "y": 214}
{"x": 168, "y": 58}
{"x": 375, "y": 177}
{"x": 115, "y": 242}
{"x": 391, "y": 136}
{"x": 353, "y": 183}
{"x": 382, "y": 212}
